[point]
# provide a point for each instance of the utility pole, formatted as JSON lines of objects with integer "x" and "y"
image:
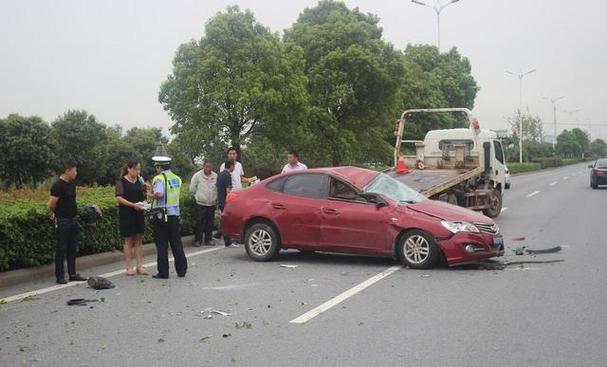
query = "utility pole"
{"x": 438, "y": 8}
{"x": 520, "y": 75}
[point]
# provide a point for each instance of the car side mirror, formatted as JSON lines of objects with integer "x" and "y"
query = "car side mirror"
{"x": 590, "y": 166}
{"x": 375, "y": 199}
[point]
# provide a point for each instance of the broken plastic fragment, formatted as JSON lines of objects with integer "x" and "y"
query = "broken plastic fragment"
{"x": 288, "y": 266}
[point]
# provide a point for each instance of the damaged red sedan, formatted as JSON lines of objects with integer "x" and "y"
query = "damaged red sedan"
{"x": 355, "y": 210}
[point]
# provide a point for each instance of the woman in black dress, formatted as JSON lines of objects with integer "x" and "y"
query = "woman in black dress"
{"x": 130, "y": 196}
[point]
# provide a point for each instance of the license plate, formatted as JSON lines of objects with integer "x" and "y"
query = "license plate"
{"x": 498, "y": 241}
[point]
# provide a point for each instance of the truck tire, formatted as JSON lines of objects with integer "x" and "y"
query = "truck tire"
{"x": 495, "y": 204}
{"x": 418, "y": 250}
{"x": 261, "y": 242}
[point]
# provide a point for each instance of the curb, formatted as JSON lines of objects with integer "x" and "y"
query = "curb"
{"x": 14, "y": 277}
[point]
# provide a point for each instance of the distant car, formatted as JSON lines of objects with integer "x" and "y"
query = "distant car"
{"x": 355, "y": 210}
{"x": 598, "y": 174}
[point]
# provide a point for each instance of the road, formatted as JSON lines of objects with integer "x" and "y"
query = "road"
{"x": 547, "y": 314}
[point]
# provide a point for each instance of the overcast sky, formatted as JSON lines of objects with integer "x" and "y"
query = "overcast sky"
{"x": 109, "y": 57}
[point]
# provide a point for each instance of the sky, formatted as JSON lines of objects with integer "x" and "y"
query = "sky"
{"x": 110, "y": 57}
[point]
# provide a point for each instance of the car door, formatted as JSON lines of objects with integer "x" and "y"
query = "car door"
{"x": 296, "y": 208}
{"x": 349, "y": 222}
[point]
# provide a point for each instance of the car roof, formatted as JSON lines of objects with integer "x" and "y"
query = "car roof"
{"x": 356, "y": 176}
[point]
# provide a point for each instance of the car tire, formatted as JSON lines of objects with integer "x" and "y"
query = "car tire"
{"x": 261, "y": 242}
{"x": 593, "y": 185}
{"x": 495, "y": 204}
{"x": 418, "y": 250}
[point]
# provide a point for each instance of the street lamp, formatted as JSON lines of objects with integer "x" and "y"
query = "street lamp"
{"x": 438, "y": 8}
{"x": 520, "y": 75}
{"x": 553, "y": 100}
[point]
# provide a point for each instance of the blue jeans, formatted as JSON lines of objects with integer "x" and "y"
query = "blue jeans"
{"x": 67, "y": 235}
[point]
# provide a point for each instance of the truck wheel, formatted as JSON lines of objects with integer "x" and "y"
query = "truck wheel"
{"x": 495, "y": 204}
{"x": 418, "y": 250}
{"x": 261, "y": 242}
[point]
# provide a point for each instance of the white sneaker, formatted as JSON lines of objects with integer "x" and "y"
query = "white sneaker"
{"x": 233, "y": 245}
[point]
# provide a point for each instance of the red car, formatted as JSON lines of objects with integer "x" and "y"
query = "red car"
{"x": 355, "y": 210}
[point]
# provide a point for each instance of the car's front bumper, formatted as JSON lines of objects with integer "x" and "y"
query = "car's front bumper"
{"x": 465, "y": 247}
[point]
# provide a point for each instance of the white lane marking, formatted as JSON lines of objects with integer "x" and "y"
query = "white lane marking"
{"x": 554, "y": 183}
{"x": 522, "y": 269}
{"x": 503, "y": 210}
{"x": 533, "y": 194}
{"x": 565, "y": 178}
{"x": 57, "y": 287}
{"x": 343, "y": 296}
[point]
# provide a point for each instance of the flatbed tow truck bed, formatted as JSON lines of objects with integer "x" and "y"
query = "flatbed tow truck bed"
{"x": 430, "y": 182}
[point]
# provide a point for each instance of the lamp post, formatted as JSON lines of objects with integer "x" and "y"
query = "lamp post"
{"x": 520, "y": 75}
{"x": 438, "y": 8}
{"x": 553, "y": 100}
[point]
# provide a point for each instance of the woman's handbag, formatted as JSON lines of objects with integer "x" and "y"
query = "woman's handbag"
{"x": 159, "y": 215}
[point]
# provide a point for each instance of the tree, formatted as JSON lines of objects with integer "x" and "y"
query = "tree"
{"x": 598, "y": 148}
{"x": 533, "y": 132}
{"x": 583, "y": 139}
{"x": 26, "y": 150}
{"x": 143, "y": 141}
{"x": 567, "y": 145}
{"x": 354, "y": 77}
{"x": 81, "y": 139}
{"x": 237, "y": 82}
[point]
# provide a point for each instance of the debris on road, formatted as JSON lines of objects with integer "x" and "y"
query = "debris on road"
{"x": 160, "y": 340}
{"x": 80, "y": 301}
{"x": 425, "y": 276}
{"x": 507, "y": 263}
{"x": 544, "y": 251}
{"x": 30, "y": 298}
{"x": 520, "y": 251}
{"x": 288, "y": 266}
{"x": 518, "y": 239}
{"x": 97, "y": 283}
{"x": 244, "y": 325}
{"x": 226, "y": 335}
{"x": 208, "y": 313}
{"x": 205, "y": 339}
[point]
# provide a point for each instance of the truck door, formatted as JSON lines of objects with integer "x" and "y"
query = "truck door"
{"x": 498, "y": 165}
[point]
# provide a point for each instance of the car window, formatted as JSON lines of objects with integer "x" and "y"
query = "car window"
{"x": 601, "y": 163}
{"x": 341, "y": 190}
{"x": 312, "y": 186}
{"x": 499, "y": 152}
{"x": 277, "y": 185}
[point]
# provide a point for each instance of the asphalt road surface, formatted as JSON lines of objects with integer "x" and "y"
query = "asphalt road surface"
{"x": 538, "y": 314}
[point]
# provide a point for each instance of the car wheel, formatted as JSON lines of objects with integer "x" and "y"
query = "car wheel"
{"x": 418, "y": 250}
{"x": 495, "y": 204}
{"x": 593, "y": 185}
{"x": 261, "y": 242}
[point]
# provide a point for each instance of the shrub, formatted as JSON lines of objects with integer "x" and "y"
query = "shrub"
{"x": 523, "y": 167}
{"x": 27, "y": 235}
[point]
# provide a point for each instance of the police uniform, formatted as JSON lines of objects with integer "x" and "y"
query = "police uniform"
{"x": 169, "y": 231}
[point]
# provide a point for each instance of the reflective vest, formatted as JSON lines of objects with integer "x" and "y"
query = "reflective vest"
{"x": 172, "y": 191}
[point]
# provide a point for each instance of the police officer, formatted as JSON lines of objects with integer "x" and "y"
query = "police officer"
{"x": 166, "y": 188}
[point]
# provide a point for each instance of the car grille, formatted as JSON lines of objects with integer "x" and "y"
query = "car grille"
{"x": 489, "y": 228}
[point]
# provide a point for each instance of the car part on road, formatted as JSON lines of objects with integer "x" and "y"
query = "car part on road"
{"x": 520, "y": 251}
{"x": 98, "y": 283}
{"x": 518, "y": 239}
{"x": 208, "y": 313}
{"x": 80, "y": 301}
{"x": 288, "y": 266}
{"x": 418, "y": 250}
{"x": 261, "y": 242}
{"x": 550, "y": 250}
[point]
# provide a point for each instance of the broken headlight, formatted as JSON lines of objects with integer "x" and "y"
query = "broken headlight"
{"x": 455, "y": 227}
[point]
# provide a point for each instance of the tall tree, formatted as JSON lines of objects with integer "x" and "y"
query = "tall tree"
{"x": 568, "y": 145}
{"x": 235, "y": 82}
{"x": 354, "y": 78}
{"x": 82, "y": 139}
{"x": 598, "y": 148}
{"x": 26, "y": 150}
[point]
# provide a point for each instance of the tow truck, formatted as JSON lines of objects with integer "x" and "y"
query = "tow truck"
{"x": 462, "y": 166}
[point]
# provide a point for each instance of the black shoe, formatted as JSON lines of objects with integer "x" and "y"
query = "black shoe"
{"x": 77, "y": 278}
{"x": 196, "y": 244}
{"x": 209, "y": 243}
{"x": 61, "y": 281}
{"x": 217, "y": 235}
{"x": 158, "y": 276}
{"x": 181, "y": 275}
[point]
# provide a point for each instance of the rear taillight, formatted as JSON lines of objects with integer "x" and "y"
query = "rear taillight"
{"x": 597, "y": 172}
{"x": 231, "y": 197}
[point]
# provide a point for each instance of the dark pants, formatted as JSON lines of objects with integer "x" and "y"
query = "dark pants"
{"x": 165, "y": 234}
{"x": 226, "y": 240}
{"x": 203, "y": 229}
{"x": 67, "y": 235}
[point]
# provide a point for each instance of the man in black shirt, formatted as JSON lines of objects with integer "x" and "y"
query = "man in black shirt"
{"x": 62, "y": 203}
{"x": 224, "y": 186}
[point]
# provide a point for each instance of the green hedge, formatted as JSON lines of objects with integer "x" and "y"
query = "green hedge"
{"x": 523, "y": 167}
{"x": 27, "y": 236}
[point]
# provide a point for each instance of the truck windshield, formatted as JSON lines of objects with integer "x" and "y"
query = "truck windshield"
{"x": 399, "y": 192}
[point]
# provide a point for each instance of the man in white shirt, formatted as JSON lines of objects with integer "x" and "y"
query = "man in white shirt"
{"x": 293, "y": 163}
{"x": 204, "y": 189}
{"x": 238, "y": 173}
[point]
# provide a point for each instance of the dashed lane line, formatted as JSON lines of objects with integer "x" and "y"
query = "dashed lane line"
{"x": 533, "y": 194}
